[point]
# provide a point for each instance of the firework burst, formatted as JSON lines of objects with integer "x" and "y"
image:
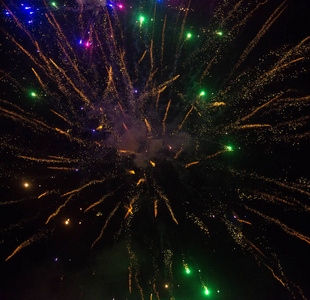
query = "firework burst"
{"x": 148, "y": 127}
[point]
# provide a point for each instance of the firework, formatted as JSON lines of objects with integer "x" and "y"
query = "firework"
{"x": 147, "y": 127}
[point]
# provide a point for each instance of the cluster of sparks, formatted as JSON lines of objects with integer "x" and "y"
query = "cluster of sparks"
{"x": 136, "y": 113}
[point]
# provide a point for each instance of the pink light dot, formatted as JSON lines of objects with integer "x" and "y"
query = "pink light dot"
{"x": 87, "y": 44}
{"x": 121, "y": 6}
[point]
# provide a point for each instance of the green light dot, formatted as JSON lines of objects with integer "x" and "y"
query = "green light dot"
{"x": 207, "y": 292}
{"x": 229, "y": 148}
{"x": 188, "y": 271}
{"x": 142, "y": 19}
{"x": 202, "y": 93}
{"x": 220, "y": 33}
{"x": 33, "y": 94}
{"x": 189, "y": 35}
{"x": 54, "y": 3}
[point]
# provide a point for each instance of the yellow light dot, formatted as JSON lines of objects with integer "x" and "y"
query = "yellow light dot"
{"x": 67, "y": 221}
{"x": 166, "y": 286}
{"x": 26, "y": 184}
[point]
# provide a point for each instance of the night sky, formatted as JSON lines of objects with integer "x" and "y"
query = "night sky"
{"x": 154, "y": 150}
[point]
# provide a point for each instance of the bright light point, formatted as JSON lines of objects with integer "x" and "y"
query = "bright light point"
{"x": 207, "y": 291}
{"x": 229, "y": 148}
{"x": 53, "y": 3}
{"x": 121, "y": 6}
{"x": 67, "y": 221}
{"x": 188, "y": 271}
{"x": 87, "y": 44}
{"x": 26, "y": 184}
{"x": 219, "y": 33}
{"x": 141, "y": 19}
{"x": 218, "y": 291}
{"x": 189, "y": 35}
{"x": 202, "y": 93}
{"x": 166, "y": 286}
{"x": 80, "y": 42}
{"x": 33, "y": 94}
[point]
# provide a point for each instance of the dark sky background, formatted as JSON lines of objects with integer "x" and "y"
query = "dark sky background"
{"x": 61, "y": 265}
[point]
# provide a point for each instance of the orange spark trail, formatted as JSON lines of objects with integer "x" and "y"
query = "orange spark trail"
{"x": 42, "y": 159}
{"x": 58, "y": 209}
{"x": 165, "y": 117}
{"x": 191, "y": 164}
{"x": 243, "y": 221}
{"x": 26, "y": 243}
{"x": 179, "y": 152}
{"x": 260, "y": 34}
{"x": 70, "y": 81}
{"x": 155, "y": 208}
{"x": 184, "y": 20}
{"x": 62, "y": 168}
{"x": 127, "y": 152}
{"x": 274, "y": 275}
{"x": 162, "y": 44}
{"x": 207, "y": 68}
{"x": 167, "y": 202}
{"x": 253, "y": 126}
{"x": 287, "y": 64}
{"x": 254, "y": 247}
{"x": 42, "y": 195}
{"x": 140, "y": 181}
{"x": 123, "y": 113}
{"x": 143, "y": 55}
{"x": 257, "y": 109}
{"x": 98, "y": 202}
{"x": 125, "y": 126}
{"x": 106, "y": 223}
{"x": 215, "y": 154}
{"x": 83, "y": 187}
{"x": 217, "y": 104}
{"x": 274, "y": 198}
{"x": 284, "y": 227}
{"x": 40, "y": 81}
{"x": 149, "y": 129}
{"x": 152, "y": 163}
{"x": 180, "y": 126}
{"x": 62, "y": 117}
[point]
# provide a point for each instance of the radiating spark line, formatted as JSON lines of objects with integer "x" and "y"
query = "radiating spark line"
{"x": 254, "y": 247}
{"x": 191, "y": 164}
{"x": 167, "y": 202}
{"x": 178, "y": 153}
{"x": 71, "y": 83}
{"x": 274, "y": 275}
{"x": 155, "y": 208}
{"x": 140, "y": 181}
{"x": 287, "y": 64}
{"x": 205, "y": 72}
{"x": 83, "y": 187}
{"x": 217, "y": 104}
{"x": 149, "y": 129}
{"x": 62, "y": 168}
{"x": 143, "y": 55}
{"x": 127, "y": 152}
{"x": 165, "y": 117}
{"x": 274, "y": 198}
{"x": 106, "y": 224}
{"x": 40, "y": 80}
{"x": 181, "y": 125}
{"x": 62, "y": 117}
{"x": 284, "y": 227}
{"x": 162, "y": 43}
{"x": 44, "y": 194}
{"x": 26, "y": 243}
{"x": 59, "y": 208}
{"x": 257, "y": 109}
{"x": 129, "y": 279}
{"x": 98, "y": 202}
{"x": 243, "y": 221}
{"x": 253, "y": 126}
{"x": 275, "y": 15}
{"x": 125, "y": 126}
